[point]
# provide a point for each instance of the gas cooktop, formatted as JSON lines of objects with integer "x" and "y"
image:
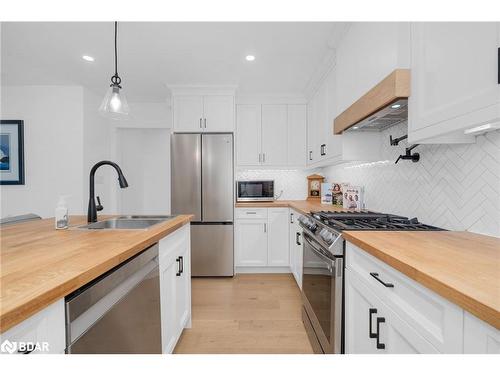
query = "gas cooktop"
{"x": 368, "y": 220}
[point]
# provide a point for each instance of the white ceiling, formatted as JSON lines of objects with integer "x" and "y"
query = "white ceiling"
{"x": 155, "y": 54}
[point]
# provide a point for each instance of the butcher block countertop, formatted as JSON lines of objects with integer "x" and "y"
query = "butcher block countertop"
{"x": 304, "y": 207}
{"x": 40, "y": 265}
{"x": 462, "y": 267}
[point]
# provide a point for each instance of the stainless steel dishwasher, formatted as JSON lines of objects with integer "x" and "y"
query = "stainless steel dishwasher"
{"x": 118, "y": 312}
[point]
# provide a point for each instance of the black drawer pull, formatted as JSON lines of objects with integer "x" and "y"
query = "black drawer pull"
{"x": 297, "y": 238}
{"x": 375, "y": 276}
{"x": 379, "y": 344}
{"x": 179, "y": 272}
{"x": 370, "y": 333}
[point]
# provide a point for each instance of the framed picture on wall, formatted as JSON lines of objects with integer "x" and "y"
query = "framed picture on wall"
{"x": 11, "y": 152}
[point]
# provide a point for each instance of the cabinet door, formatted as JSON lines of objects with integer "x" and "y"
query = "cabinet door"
{"x": 312, "y": 154}
{"x": 183, "y": 289}
{"x": 188, "y": 113}
{"x": 274, "y": 135}
{"x": 277, "y": 237}
{"x": 248, "y": 134}
{"x": 357, "y": 315}
{"x": 480, "y": 337}
{"x": 251, "y": 243}
{"x": 291, "y": 240}
{"x": 170, "y": 328}
{"x": 321, "y": 122}
{"x": 454, "y": 73}
{"x": 298, "y": 253}
{"x": 392, "y": 334}
{"x": 333, "y": 142}
{"x": 297, "y": 135}
{"x": 218, "y": 113}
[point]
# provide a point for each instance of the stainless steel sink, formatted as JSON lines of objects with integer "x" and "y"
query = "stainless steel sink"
{"x": 128, "y": 222}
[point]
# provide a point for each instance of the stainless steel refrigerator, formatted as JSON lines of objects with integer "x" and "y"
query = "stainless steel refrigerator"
{"x": 202, "y": 185}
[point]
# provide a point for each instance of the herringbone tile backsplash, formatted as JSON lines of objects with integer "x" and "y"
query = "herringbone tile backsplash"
{"x": 455, "y": 187}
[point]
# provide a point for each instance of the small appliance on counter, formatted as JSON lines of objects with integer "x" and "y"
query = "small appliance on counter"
{"x": 323, "y": 268}
{"x": 255, "y": 190}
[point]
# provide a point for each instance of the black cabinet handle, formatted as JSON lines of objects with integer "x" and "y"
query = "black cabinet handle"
{"x": 323, "y": 149}
{"x": 291, "y": 217}
{"x": 310, "y": 155}
{"x": 498, "y": 63}
{"x": 178, "y": 260}
{"x": 375, "y": 276}
{"x": 297, "y": 238}
{"x": 182, "y": 265}
{"x": 379, "y": 344}
{"x": 371, "y": 334}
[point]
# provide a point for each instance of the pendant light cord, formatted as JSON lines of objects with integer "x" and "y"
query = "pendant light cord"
{"x": 116, "y": 49}
{"x": 116, "y": 80}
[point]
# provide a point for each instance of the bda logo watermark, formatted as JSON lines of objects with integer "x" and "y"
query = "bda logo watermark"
{"x": 23, "y": 347}
{"x": 8, "y": 347}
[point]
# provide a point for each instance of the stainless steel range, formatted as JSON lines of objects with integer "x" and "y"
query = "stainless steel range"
{"x": 323, "y": 269}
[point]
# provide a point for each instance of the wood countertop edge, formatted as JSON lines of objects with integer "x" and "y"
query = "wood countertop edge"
{"x": 473, "y": 306}
{"x": 9, "y": 319}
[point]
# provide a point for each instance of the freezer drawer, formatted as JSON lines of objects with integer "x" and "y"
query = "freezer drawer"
{"x": 212, "y": 250}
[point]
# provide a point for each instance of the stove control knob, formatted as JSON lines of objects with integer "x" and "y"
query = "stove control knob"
{"x": 313, "y": 227}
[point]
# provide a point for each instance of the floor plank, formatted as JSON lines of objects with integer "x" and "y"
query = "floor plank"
{"x": 250, "y": 313}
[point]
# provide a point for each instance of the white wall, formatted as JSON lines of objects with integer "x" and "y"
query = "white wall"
{"x": 455, "y": 187}
{"x": 96, "y": 147}
{"x": 142, "y": 149}
{"x": 144, "y": 155}
{"x": 53, "y": 144}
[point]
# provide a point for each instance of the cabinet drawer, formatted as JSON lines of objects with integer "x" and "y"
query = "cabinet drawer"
{"x": 174, "y": 243}
{"x": 436, "y": 319}
{"x": 44, "y": 332}
{"x": 251, "y": 213}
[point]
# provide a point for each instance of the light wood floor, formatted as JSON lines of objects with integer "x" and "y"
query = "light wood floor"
{"x": 258, "y": 313}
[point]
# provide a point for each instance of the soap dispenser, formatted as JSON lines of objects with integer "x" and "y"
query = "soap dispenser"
{"x": 61, "y": 214}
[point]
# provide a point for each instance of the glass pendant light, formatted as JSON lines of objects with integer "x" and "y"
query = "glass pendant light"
{"x": 114, "y": 104}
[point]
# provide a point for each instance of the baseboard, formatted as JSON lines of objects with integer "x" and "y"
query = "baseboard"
{"x": 262, "y": 270}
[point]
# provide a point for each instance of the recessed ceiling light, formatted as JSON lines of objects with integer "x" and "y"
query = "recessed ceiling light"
{"x": 88, "y": 58}
{"x": 394, "y": 106}
{"x": 250, "y": 57}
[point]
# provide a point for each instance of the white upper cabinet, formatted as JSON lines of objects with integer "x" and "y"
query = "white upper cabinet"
{"x": 454, "y": 79}
{"x": 367, "y": 54}
{"x": 274, "y": 134}
{"x": 296, "y": 134}
{"x": 218, "y": 113}
{"x": 199, "y": 109}
{"x": 188, "y": 113}
{"x": 271, "y": 135}
{"x": 248, "y": 134}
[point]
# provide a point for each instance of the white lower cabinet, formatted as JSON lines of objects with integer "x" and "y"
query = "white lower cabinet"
{"x": 42, "y": 333}
{"x": 405, "y": 316}
{"x": 372, "y": 327}
{"x": 278, "y": 250}
{"x": 295, "y": 243}
{"x": 175, "y": 286}
{"x": 480, "y": 337}
{"x": 261, "y": 241}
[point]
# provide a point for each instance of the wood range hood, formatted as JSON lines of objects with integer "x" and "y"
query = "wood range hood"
{"x": 374, "y": 106}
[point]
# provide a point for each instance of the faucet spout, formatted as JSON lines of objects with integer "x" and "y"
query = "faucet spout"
{"x": 92, "y": 209}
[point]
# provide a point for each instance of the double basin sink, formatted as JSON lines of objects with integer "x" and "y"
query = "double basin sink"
{"x": 129, "y": 222}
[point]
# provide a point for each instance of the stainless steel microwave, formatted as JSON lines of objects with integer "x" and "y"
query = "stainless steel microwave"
{"x": 254, "y": 190}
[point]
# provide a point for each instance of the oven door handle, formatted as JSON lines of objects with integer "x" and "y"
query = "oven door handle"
{"x": 317, "y": 251}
